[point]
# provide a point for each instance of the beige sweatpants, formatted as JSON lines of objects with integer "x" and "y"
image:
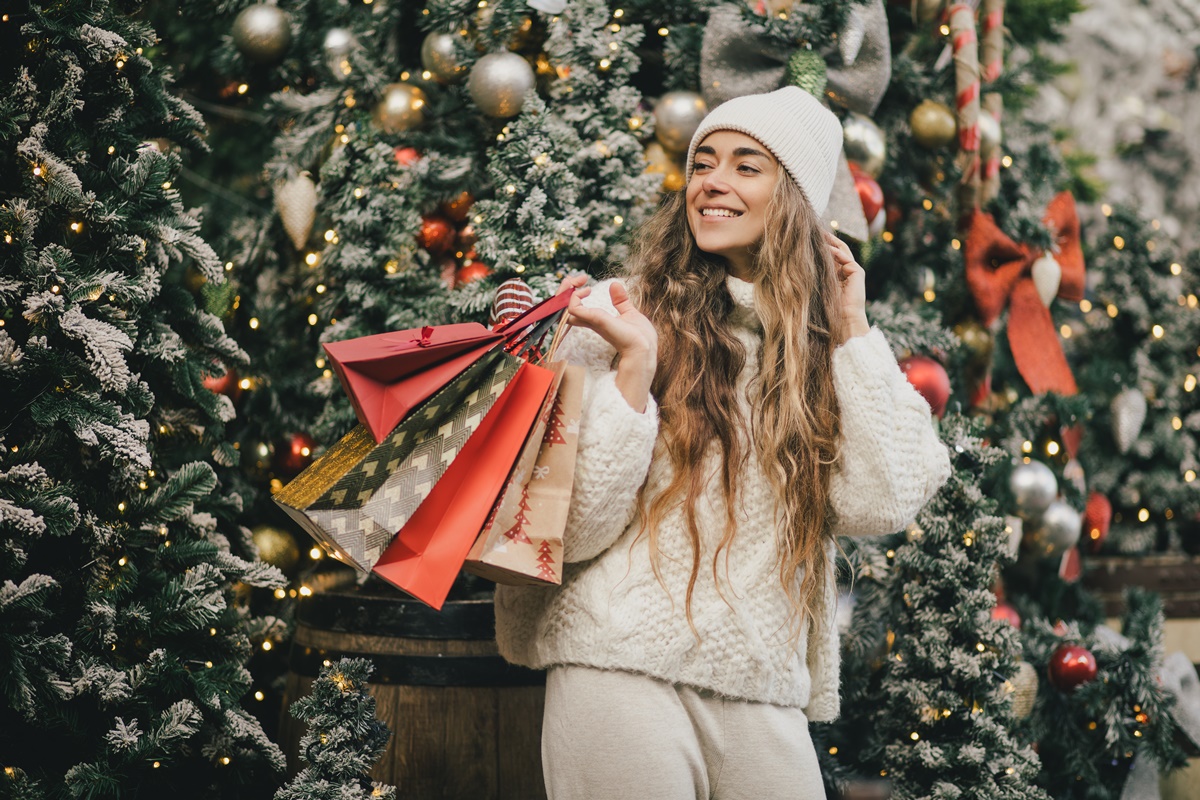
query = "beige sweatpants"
{"x": 611, "y": 735}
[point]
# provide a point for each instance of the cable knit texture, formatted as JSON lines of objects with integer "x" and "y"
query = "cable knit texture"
{"x": 612, "y": 613}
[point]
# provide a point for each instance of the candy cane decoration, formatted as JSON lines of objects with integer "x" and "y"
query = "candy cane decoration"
{"x": 993, "y": 103}
{"x": 966, "y": 100}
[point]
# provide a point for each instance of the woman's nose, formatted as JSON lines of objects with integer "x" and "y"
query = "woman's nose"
{"x": 714, "y": 181}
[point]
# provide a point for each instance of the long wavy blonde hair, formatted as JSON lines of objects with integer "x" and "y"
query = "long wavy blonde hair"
{"x": 795, "y": 425}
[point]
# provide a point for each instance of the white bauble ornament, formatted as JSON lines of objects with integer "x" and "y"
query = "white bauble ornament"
{"x": 1034, "y": 488}
{"x": 499, "y": 83}
{"x": 1128, "y": 415}
{"x": 1058, "y": 530}
{"x": 262, "y": 33}
{"x": 296, "y": 201}
{"x": 440, "y": 57}
{"x": 400, "y": 108}
{"x": 677, "y": 115}
{"x": 1047, "y": 275}
{"x": 864, "y": 143}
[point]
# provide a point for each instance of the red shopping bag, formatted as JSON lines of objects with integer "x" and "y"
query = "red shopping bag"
{"x": 389, "y": 374}
{"x": 428, "y": 552}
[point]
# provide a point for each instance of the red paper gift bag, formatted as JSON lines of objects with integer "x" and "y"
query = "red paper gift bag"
{"x": 428, "y": 552}
{"x": 388, "y": 375}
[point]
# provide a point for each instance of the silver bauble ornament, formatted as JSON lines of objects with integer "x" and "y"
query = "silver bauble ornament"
{"x": 1128, "y": 415}
{"x": 864, "y": 143}
{"x": 336, "y": 47}
{"x": 262, "y": 33}
{"x": 1057, "y": 531}
{"x": 499, "y": 83}
{"x": 677, "y": 115}
{"x": 1034, "y": 488}
{"x": 296, "y": 201}
{"x": 440, "y": 57}
{"x": 1047, "y": 275}
{"x": 400, "y": 108}
{"x": 989, "y": 135}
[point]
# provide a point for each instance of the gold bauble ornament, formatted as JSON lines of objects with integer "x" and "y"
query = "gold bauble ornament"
{"x": 864, "y": 143}
{"x": 440, "y": 57}
{"x": 978, "y": 340}
{"x": 933, "y": 124}
{"x": 677, "y": 115}
{"x": 401, "y": 108}
{"x": 658, "y": 160}
{"x": 296, "y": 201}
{"x": 277, "y": 547}
{"x": 262, "y": 33}
{"x": 499, "y": 83}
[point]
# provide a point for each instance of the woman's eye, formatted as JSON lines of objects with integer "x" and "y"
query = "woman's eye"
{"x": 700, "y": 165}
{"x": 747, "y": 168}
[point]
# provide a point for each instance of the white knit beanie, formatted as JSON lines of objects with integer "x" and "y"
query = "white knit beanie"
{"x": 802, "y": 133}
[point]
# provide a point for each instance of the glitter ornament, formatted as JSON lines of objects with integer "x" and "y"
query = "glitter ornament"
{"x": 437, "y": 235}
{"x": 930, "y": 379}
{"x": 276, "y": 547}
{"x": 262, "y": 33}
{"x": 499, "y": 83}
{"x": 864, "y": 143}
{"x": 677, "y": 115}
{"x": 1034, "y": 488}
{"x": 1128, "y": 415}
{"x": 1025, "y": 688}
{"x": 933, "y": 125}
{"x": 441, "y": 59}
{"x": 401, "y": 107}
{"x": 296, "y": 202}
{"x": 660, "y": 161}
{"x": 806, "y": 69}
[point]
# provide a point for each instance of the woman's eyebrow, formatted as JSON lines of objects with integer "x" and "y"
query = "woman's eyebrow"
{"x": 708, "y": 150}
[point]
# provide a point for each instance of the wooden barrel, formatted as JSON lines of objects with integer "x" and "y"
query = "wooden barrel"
{"x": 465, "y": 724}
{"x": 1175, "y": 577}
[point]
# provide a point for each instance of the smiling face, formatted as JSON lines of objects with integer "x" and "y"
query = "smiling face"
{"x": 733, "y": 176}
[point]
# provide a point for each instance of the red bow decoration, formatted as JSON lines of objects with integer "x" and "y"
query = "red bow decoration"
{"x": 998, "y": 273}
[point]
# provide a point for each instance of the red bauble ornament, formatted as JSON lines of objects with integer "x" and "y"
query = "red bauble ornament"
{"x": 1006, "y": 612}
{"x": 930, "y": 379}
{"x": 226, "y": 384}
{"x": 458, "y": 208}
{"x": 437, "y": 234}
{"x": 1096, "y": 518}
{"x": 406, "y": 156}
{"x": 1071, "y": 665}
{"x": 294, "y": 454}
{"x": 471, "y": 272}
{"x": 870, "y": 193}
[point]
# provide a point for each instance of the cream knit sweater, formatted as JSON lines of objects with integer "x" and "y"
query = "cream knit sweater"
{"x": 612, "y": 613}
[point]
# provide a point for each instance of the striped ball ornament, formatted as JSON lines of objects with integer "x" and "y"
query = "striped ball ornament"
{"x": 513, "y": 298}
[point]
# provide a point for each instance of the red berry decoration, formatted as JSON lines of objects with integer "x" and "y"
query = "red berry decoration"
{"x": 1096, "y": 518}
{"x": 1006, "y": 612}
{"x": 930, "y": 379}
{"x": 1071, "y": 666}
{"x": 471, "y": 272}
{"x": 870, "y": 193}
{"x": 226, "y": 384}
{"x": 458, "y": 208}
{"x": 407, "y": 156}
{"x": 294, "y": 454}
{"x": 437, "y": 234}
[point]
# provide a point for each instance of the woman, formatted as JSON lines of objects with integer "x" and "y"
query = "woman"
{"x": 752, "y": 415}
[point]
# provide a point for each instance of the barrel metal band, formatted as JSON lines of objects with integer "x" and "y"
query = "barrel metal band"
{"x": 422, "y": 670}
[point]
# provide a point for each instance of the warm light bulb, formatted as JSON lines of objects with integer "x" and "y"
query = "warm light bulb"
{"x": 1157, "y": 331}
{"x": 266, "y": 645}
{"x": 1176, "y": 269}
{"x": 1143, "y": 514}
{"x": 1085, "y": 306}
{"x": 1027, "y": 446}
{"x": 259, "y": 696}
{"x": 254, "y": 323}
{"x": 1052, "y": 448}
{"x": 305, "y": 591}
{"x": 315, "y": 554}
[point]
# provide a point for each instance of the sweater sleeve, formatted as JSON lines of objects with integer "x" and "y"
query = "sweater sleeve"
{"x": 892, "y": 461}
{"x": 615, "y": 445}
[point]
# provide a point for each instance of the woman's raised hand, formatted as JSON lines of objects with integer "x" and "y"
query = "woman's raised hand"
{"x": 630, "y": 333}
{"x": 853, "y": 280}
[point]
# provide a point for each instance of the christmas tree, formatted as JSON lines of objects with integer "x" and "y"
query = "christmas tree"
{"x": 122, "y": 641}
{"x": 427, "y": 154}
{"x": 343, "y": 738}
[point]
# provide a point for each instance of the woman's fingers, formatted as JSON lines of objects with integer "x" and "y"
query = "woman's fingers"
{"x": 572, "y": 281}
